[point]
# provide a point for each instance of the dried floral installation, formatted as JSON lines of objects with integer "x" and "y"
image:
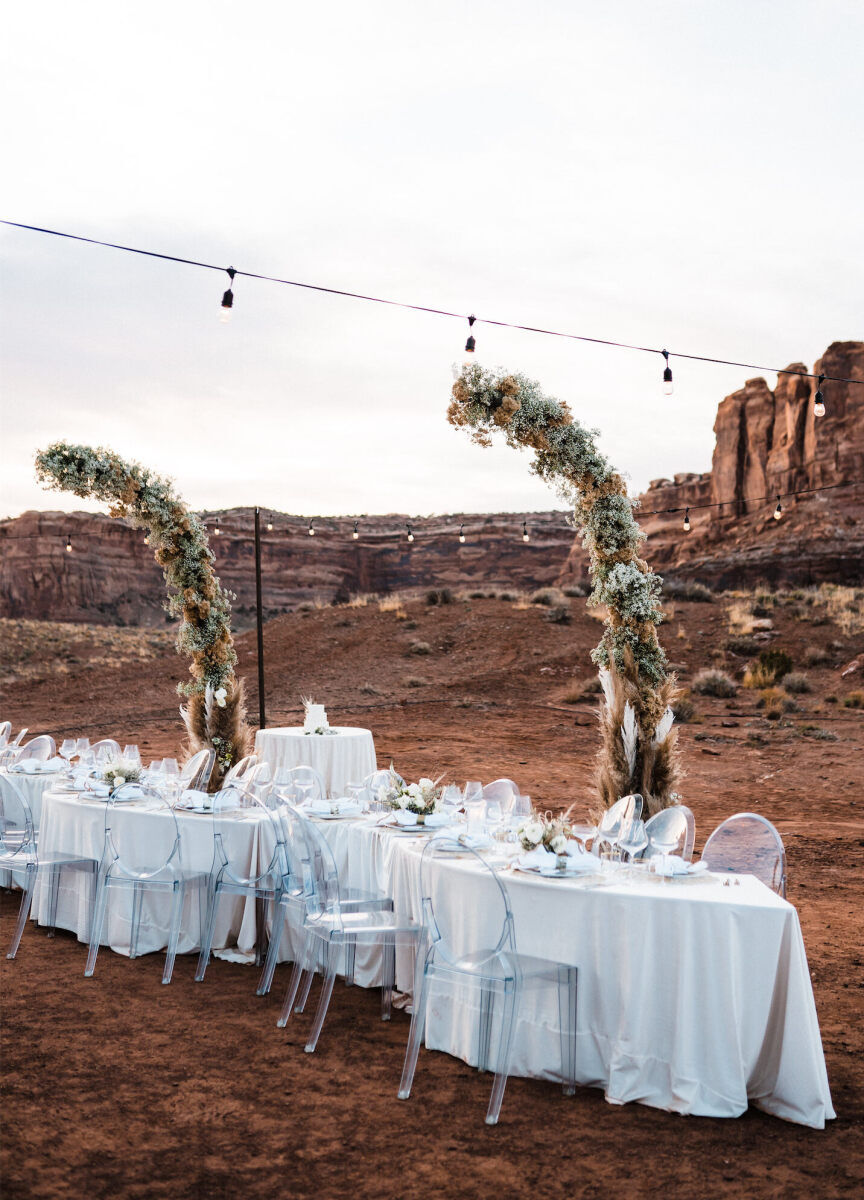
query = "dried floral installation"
{"x": 215, "y": 712}
{"x": 638, "y": 752}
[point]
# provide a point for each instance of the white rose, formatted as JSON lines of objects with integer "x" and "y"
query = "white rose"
{"x": 118, "y": 780}
{"x": 534, "y": 831}
{"x": 425, "y": 783}
{"x": 559, "y": 843}
{"x": 219, "y": 696}
{"x": 414, "y": 791}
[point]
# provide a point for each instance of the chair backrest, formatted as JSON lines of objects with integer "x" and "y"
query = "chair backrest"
{"x": 301, "y": 783}
{"x": 227, "y": 803}
{"x": 671, "y": 831}
{"x": 238, "y": 771}
{"x": 295, "y": 846}
{"x": 379, "y": 779}
{"x": 619, "y": 816}
{"x": 196, "y": 770}
{"x": 748, "y": 844}
{"x": 319, "y": 865}
{"x": 106, "y": 749}
{"x": 16, "y": 821}
{"x": 141, "y": 845}
{"x": 503, "y": 792}
{"x": 41, "y": 748}
{"x": 19, "y": 736}
{"x": 444, "y": 917}
{"x": 5, "y": 733}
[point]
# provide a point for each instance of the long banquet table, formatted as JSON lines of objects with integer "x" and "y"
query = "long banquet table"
{"x": 693, "y": 996}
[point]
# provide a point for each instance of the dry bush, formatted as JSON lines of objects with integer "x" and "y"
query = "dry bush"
{"x": 770, "y": 668}
{"x": 775, "y": 701}
{"x": 367, "y": 689}
{"x": 742, "y": 645}
{"x": 415, "y": 681}
{"x": 684, "y": 710}
{"x": 439, "y": 596}
{"x": 419, "y": 648}
{"x": 797, "y": 683}
{"x": 819, "y": 735}
{"x": 714, "y": 683}
{"x": 683, "y": 589}
{"x": 509, "y": 597}
{"x": 560, "y": 615}
{"x": 816, "y": 656}
{"x": 551, "y": 597}
{"x": 392, "y": 603}
{"x": 743, "y": 620}
{"x": 361, "y": 600}
{"x": 582, "y": 690}
{"x": 854, "y": 699}
{"x": 575, "y": 593}
{"x": 844, "y": 606}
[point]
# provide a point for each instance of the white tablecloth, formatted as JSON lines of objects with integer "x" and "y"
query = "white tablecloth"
{"x": 33, "y": 788}
{"x": 347, "y": 756}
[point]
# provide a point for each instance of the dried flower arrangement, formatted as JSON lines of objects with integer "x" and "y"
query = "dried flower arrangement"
{"x": 215, "y": 713}
{"x": 638, "y": 753}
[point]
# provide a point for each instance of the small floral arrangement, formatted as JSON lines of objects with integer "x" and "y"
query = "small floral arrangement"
{"x": 224, "y": 750}
{"x": 552, "y": 833}
{"x": 422, "y": 798}
{"x": 121, "y": 771}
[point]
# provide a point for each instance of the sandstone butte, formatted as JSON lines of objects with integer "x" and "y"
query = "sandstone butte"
{"x": 767, "y": 442}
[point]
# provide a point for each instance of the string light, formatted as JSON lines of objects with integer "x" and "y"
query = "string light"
{"x": 819, "y": 399}
{"x": 470, "y": 345}
{"x": 410, "y": 533}
{"x": 462, "y": 534}
{"x": 424, "y": 308}
{"x": 217, "y": 531}
{"x": 228, "y": 298}
{"x": 355, "y": 535}
{"x": 686, "y": 520}
{"x": 667, "y": 375}
{"x": 526, "y": 536}
{"x": 311, "y": 530}
{"x": 146, "y": 539}
{"x": 778, "y": 511}
{"x": 270, "y": 523}
{"x": 68, "y": 544}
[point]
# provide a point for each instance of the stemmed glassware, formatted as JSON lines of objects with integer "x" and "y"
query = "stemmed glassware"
{"x": 633, "y": 842}
{"x": 132, "y": 754}
{"x": 169, "y": 778}
{"x": 82, "y": 746}
{"x": 68, "y": 750}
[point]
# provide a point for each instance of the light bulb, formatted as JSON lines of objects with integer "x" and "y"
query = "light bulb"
{"x": 146, "y": 539}
{"x": 216, "y": 528}
{"x": 410, "y": 533}
{"x": 270, "y": 526}
{"x": 311, "y": 529}
{"x": 819, "y": 400}
{"x": 68, "y": 544}
{"x": 526, "y": 536}
{"x": 355, "y": 535}
{"x": 778, "y": 511}
{"x": 462, "y": 534}
{"x": 686, "y": 520}
{"x": 667, "y": 375}
{"x": 225, "y": 315}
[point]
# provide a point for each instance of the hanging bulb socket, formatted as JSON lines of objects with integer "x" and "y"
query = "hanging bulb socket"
{"x": 686, "y": 520}
{"x": 270, "y": 523}
{"x": 355, "y": 535}
{"x": 819, "y": 399}
{"x": 410, "y": 533}
{"x": 462, "y": 534}
{"x": 228, "y": 297}
{"x": 146, "y": 539}
{"x": 526, "y": 536}
{"x": 216, "y": 529}
{"x": 778, "y": 511}
{"x": 667, "y": 375}
{"x": 311, "y": 530}
{"x": 471, "y": 344}
{"x": 68, "y": 544}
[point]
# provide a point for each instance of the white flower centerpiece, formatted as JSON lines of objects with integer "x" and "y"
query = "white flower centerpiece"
{"x": 315, "y": 723}
{"x": 422, "y": 798}
{"x": 550, "y": 833}
{"x": 119, "y": 772}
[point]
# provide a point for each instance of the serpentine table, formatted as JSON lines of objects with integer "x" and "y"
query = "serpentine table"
{"x": 693, "y": 996}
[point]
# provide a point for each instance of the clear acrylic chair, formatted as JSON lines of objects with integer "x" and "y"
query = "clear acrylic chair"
{"x": 106, "y": 750}
{"x": 503, "y": 792}
{"x": 332, "y": 923}
{"x": 229, "y": 876}
{"x": 671, "y": 831}
{"x": 300, "y": 784}
{"x": 493, "y": 965}
{"x": 20, "y": 855}
{"x": 748, "y": 844}
{"x": 137, "y": 859}
{"x": 240, "y": 768}
{"x": 5, "y": 733}
{"x": 41, "y": 748}
{"x": 616, "y": 820}
{"x": 379, "y": 779}
{"x": 196, "y": 771}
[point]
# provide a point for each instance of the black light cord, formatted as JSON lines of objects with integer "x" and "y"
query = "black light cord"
{"x": 439, "y": 312}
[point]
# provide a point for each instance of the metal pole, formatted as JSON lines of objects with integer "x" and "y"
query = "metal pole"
{"x": 259, "y": 615}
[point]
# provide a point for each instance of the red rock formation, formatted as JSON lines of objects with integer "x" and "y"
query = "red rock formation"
{"x": 768, "y": 443}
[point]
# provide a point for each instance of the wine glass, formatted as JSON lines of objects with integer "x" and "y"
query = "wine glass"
{"x": 472, "y": 792}
{"x": 494, "y": 813}
{"x": 82, "y": 746}
{"x": 68, "y": 751}
{"x": 633, "y": 842}
{"x": 132, "y": 754}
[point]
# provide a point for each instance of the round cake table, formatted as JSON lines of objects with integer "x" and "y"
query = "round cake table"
{"x": 347, "y": 755}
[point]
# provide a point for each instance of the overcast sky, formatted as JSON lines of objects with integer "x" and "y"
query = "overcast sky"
{"x": 671, "y": 173}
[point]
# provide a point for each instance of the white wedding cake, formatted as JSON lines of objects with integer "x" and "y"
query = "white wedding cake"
{"x": 315, "y": 717}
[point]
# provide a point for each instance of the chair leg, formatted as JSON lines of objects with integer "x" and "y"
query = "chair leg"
{"x": 261, "y": 930}
{"x": 174, "y": 932}
{"x": 137, "y": 901}
{"x": 24, "y": 910}
{"x": 350, "y": 957}
{"x": 96, "y": 926}
{"x": 53, "y": 894}
{"x": 313, "y": 961}
{"x": 415, "y": 1037}
{"x": 567, "y": 983}
{"x": 508, "y": 1022}
{"x": 487, "y": 1000}
{"x": 208, "y": 934}
{"x": 294, "y": 984}
{"x": 323, "y": 999}
{"x": 266, "y": 979}
{"x": 388, "y": 978}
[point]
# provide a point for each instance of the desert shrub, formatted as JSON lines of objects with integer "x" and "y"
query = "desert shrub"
{"x": 777, "y": 661}
{"x": 797, "y": 683}
{"x": 476, "y": 595}
{"x": 415, "y": 681}
{"x": 683, "y": 709}
{"x": 844, "y": 606}
{"x": 830, "y": 699}
{"x": 367, "y": 689}
{"x": 592, "y": 686}
{"x": 419, "y": 648}
{"x": 560, "y": 615}
{"x": 854, "y": 699}
{"x": 509, "y": 597}
{"x": 756, "y": 676}
{"x": 742, "y": 645}
{"x": 550, "y": 597}
{"x": 819, "y": 735}
{"x": 409, "y": 624}
{"x": 683, "y": 589}
{"x": 391, "y": 603}
{"x": 361, "y": 600}
{"x": 775, "y": 702}
{"x": 815, "y": 656}
{"x": 742, "y": 619}
{"x": 575, "y": 593}
{"x": 714, "y": 683}
{"x": 439, "y": 596}
{"x": 582, "y": 690}
{"x": 760, "y": 610}
{"x": 305, "y": 606}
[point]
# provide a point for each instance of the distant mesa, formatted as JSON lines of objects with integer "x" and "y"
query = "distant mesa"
{"x": 765, "y": 443}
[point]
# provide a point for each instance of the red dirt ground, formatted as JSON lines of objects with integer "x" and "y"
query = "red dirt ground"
{"x": 119, "y": 1087}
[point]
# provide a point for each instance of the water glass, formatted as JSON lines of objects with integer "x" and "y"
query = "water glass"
{"x": 494, "y": 813}
{"x": 476, "y": 815}
{"x": 82, "y": 746}
{"x": 132, "y": 754}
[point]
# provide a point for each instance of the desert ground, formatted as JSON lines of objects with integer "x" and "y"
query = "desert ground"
{"x": 117, "y": 1086}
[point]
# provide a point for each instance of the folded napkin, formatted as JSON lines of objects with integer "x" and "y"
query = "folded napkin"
{"x": 475, "y": 841}
{"x": 192, "y": 798}
{"x": 669, "y": 865}
{"x": 30, "y": 766}
{"x": 438, "y": 820}
{"x": 316, "y": 807}
{"x": 535, "y": 859}
{"x": 344, "y": 807}
{"x": 99, "y": 789}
